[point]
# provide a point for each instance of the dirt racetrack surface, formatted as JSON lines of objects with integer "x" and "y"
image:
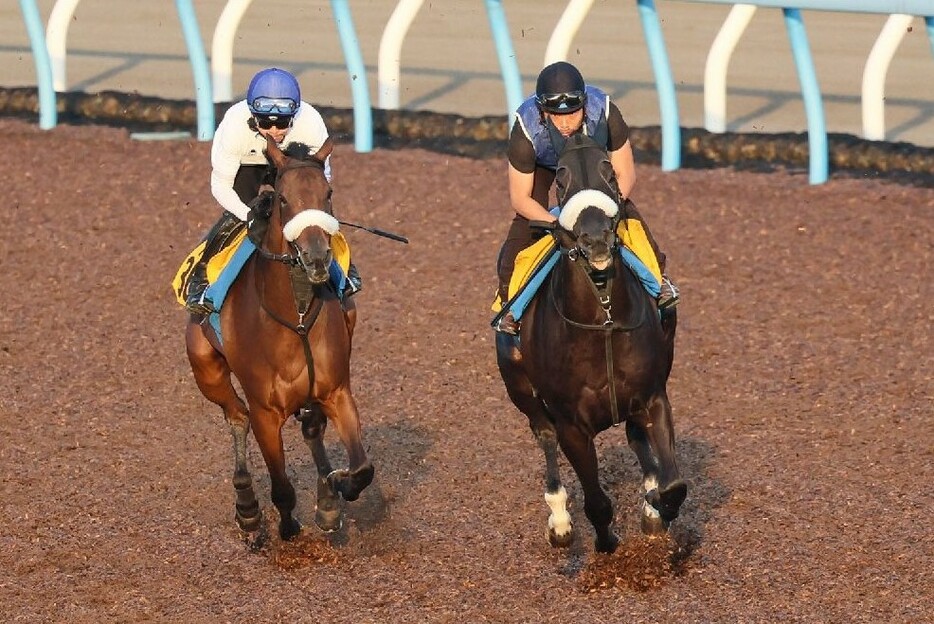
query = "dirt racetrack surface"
{"x": 802, "y": 392}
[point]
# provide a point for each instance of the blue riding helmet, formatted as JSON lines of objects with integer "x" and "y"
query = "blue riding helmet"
{"x": 273, "y": 91}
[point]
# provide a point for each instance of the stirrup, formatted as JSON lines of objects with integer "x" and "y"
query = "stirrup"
{"x": 353, "y": 283}
{"x": 508, "y": 325}
{"x": 200, "y": 304}
{"x": 669, "y": 296}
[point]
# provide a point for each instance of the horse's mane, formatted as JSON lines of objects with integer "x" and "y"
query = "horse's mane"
{"x": 301, "y": 151}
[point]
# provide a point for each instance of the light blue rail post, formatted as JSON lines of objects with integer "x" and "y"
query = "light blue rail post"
{"x": 199, "y": 67}
{"x": 362, "y": 110}
{"x": 48, "y": 114}
{"x": 810, "y": 91}
{"x": 508, "y": 65}
{"x": 807, "y": 77}
{"x": 665, "y": 84}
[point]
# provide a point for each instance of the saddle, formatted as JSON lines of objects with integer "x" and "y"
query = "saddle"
{"x": 224, "y": 267}
{"x": 535, "y": 262}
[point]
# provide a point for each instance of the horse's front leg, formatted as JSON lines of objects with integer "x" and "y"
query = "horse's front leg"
{"x": 560, "y": 527}
{"x": 522, "y": 394}
{"x": 327, "y": 510}
{"x": 579, "y": 448}
{"x": 654, "y": 445}
{"x": 341, "y": 409}
{"x": 212, "y": 374}
{"x": 267, "y": 429}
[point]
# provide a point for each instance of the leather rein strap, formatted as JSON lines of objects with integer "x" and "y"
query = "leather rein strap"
{"x": 302, "y": 292}
{"x": 609, "y": 326}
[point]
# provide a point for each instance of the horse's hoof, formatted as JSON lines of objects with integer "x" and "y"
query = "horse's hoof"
{"x": 350, "y": 484}
{"x": 560, "y": 541}
{"x": 249, "y": 525}
{"x": 289, "y": 528}
{"x": 653, "y": 525}
{"x": 329, "y": 520}
{"x": 670, "y": 499}
{"x": 257, "y": 539}
{"x": 607, "y": 545}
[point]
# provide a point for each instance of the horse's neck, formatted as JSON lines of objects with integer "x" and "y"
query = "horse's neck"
{"x": 582, "y": 294}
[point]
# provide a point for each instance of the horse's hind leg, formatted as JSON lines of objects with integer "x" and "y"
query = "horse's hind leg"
{"x": 212, "y": 374}
{"x": 654, "y": 445}
{"x": 328, "y": 510}
{"x": 579, "y": 448}
{"x": 341, "y": 409}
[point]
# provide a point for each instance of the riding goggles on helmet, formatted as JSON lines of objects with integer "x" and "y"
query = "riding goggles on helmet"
{"x": 561, "y": 102}
{"x": 273, "y": 121}
{"x": 274, "y": 106}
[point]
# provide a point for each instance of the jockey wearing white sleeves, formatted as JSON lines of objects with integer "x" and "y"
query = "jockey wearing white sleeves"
{"x": 239, "y": 141}
{"x": 273, "y": 108}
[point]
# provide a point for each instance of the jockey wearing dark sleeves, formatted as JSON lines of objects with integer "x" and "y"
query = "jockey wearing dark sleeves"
{"x": 561, "y": 106}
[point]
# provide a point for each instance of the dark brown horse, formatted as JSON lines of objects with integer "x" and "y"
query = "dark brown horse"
{"x": 287, "y": 338}
{"x": 594, "y": 353}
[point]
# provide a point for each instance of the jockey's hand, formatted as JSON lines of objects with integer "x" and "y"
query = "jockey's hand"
{"x": 261, "y": 206}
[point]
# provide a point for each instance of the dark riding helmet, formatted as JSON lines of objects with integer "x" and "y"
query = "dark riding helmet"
{"x": 560, "y": 89}
{"x": 273, "y": 91}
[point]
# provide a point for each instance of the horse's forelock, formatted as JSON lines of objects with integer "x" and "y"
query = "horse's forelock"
{"x": 576, "y": 204}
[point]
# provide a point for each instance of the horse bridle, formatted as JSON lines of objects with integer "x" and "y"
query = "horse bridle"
{"x": 602, "y": 294}
{"x": 289, "y": 259}
{"x": 302, "y": 290}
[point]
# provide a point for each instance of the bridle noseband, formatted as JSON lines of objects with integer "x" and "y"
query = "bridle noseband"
{"x": 601, "y": 288}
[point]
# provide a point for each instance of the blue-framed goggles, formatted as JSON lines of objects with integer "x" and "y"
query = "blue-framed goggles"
{"x": 274, "y": 106}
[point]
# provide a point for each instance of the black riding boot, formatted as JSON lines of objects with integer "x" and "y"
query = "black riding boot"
{"x": 354, "y": 283}
{"x": 216, "y": 239}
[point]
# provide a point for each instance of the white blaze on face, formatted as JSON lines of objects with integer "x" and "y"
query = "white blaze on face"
{"x": 307, "y": 218}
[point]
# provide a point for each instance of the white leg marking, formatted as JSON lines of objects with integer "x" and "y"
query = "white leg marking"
{"x": 560, "y": 520}
{"x": 648, "y": 484}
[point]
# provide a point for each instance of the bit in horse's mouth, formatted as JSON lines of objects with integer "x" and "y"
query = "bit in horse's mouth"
{"x": 601, "y": 262}
{"x": 318, "y": 277}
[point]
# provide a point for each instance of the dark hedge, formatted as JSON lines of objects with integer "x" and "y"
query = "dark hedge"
{"x": 485, "y": 137}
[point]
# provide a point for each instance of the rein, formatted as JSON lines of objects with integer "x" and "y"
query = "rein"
{"x": 607, "y": 327}
{"x": 303, "y": 293}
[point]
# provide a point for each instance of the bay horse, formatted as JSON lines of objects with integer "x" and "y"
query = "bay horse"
{"x": 286, "y": 337}
{"x": 594, "y": 353}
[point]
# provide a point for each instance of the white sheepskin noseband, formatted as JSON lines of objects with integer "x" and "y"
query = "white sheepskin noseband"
{"x": 583, "y": 199}
{"x": 307, "y": 218}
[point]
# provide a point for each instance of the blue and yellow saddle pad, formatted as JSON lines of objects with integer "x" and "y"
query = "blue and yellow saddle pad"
{"x": 226, "y": 264}
{"x": 527, "y": 277}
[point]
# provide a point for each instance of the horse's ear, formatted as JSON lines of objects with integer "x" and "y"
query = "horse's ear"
{"x": 325, "y": 151}
{"x": 608, "y": 175}
{"x": 273, "y": 153}
{"x": 562, "y": 181}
